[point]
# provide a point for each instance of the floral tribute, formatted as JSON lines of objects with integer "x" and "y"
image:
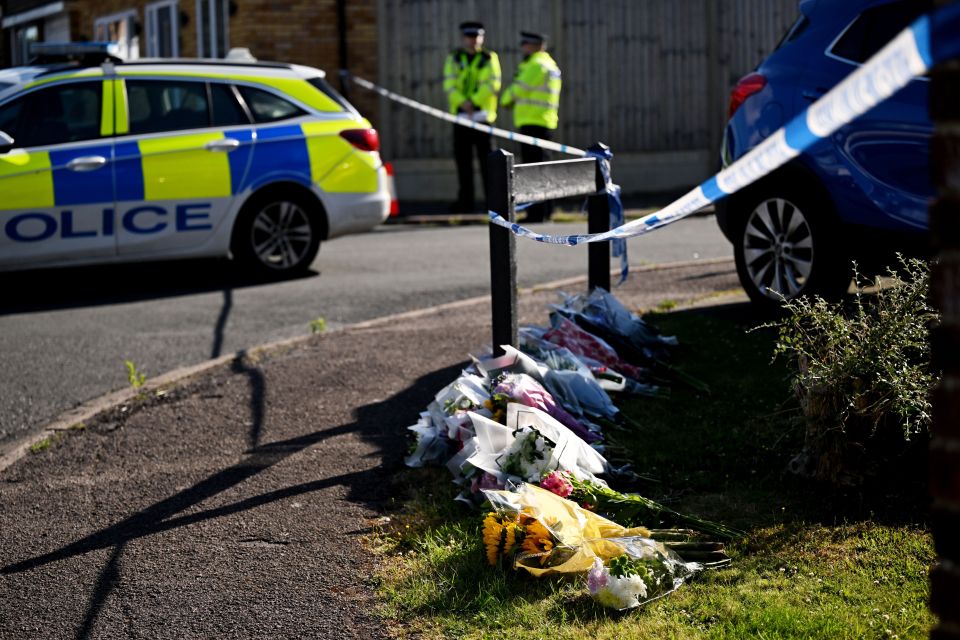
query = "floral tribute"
{"x": 524, "y": 432}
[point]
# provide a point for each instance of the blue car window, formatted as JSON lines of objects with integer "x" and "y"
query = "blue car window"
{"x": 794, "y": 31}
{"x": 875, "y": 27}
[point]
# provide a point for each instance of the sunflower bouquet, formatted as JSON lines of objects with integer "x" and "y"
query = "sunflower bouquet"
{"x": 518, "y": 538}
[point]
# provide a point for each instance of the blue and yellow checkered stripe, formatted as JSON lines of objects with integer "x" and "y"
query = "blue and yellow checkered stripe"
{"x": 178, "y": 167}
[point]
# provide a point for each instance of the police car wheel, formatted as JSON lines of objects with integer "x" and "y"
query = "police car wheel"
{"x": 277, "y": 235}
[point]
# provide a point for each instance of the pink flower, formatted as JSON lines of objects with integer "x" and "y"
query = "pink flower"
{"x": 557, "y": 483}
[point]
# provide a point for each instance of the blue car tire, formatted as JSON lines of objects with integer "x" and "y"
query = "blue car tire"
{"x": 786, "y": 247}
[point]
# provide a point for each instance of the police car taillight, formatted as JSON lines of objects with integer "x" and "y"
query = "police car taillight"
{"x": 748, "y": 85}
{"x": 392, "y": 188}
{"x": 363, "y": 139}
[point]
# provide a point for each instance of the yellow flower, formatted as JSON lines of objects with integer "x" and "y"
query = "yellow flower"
{"x": 492, "y": 536}
{"x": 538, "y": 540}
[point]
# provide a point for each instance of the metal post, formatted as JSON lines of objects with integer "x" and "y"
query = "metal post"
{"x": 945, "y": 440}
{"x": 503, "y": 251}
{"x": 598, "y": 221}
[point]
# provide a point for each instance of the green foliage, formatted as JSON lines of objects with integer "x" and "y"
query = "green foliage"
{"x": 42, "y": 445}
{"x": 318, "y": 325}
{"x": 134, "y": 376}
{"x": 868, "y": 364}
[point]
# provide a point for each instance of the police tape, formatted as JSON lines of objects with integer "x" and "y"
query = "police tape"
{"x": 467, "y": 122}
{"x": 931, "y": 39}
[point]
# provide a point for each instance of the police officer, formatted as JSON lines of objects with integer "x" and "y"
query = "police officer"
{"x": 535, "y": 98}
{"x": 471, "y": 78}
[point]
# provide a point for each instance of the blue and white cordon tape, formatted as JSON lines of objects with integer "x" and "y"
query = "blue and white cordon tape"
{"x": 931, "y": 39}
{"x": 467, "y": 122}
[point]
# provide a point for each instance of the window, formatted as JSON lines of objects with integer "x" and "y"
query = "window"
{"x": 324, "y": 87}
{"x": 213, "y": 28}
{"x": 20, "y": 42}
{"x": 163, "y": 36}
{"x": 794, "y": 31}
{"x": 874, "y": 28}
{"x": 55, "y": 115}
{"x": 226, "y": 109}
{"x": 267, "y": 107}
{"x": 122, "y": 29}
{"x": 166, "y": 105}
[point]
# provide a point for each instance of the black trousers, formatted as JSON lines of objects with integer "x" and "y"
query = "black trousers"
{"x": 465, "y": 140}
{"x": 529, "y": 153}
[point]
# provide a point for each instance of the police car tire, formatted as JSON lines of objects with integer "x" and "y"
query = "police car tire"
{"x": 806, "y": 244}
{"x": 277, "y": 234}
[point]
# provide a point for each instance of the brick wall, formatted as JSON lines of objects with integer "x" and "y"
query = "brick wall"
{"x": 945, "y": 446}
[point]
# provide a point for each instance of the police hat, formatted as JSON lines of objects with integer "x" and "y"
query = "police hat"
{"x": 531, "y": 37}
{"x": 471, "y": 28}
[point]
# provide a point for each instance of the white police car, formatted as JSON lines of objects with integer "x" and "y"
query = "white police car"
{"x": 110, "y": 161}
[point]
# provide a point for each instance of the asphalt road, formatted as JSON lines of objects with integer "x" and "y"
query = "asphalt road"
{"x": 64, "y": 334}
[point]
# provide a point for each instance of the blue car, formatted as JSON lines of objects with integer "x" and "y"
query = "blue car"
{"x": 859, "y": 195}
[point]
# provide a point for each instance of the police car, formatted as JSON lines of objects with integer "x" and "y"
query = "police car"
{"x": 109, "y": 161}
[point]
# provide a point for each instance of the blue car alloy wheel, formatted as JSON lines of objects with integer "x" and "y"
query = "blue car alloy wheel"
{"x": 786, "y": 246}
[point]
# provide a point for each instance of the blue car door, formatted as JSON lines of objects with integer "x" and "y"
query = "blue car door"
{"x": 883, "y": 155}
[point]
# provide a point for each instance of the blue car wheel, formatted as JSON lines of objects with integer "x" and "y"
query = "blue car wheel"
{"x": 785, "y": 248}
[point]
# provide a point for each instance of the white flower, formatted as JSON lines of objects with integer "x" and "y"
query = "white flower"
{"x": 614, "y": 592}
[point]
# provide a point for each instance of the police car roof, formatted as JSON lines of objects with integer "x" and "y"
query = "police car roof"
{"x": 17, "y": 76}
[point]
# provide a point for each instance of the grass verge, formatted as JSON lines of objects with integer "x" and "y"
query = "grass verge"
{"x": 816, "y": 563}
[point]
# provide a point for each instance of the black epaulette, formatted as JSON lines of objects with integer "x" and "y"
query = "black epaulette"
{"x": 484, "y": 59}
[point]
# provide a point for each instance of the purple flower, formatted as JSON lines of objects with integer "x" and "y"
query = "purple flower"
{"x": 597, "y": 577}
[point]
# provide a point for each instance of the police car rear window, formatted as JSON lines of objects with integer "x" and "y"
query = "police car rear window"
{"x": 267, "y": 107}
{"x": 324, "y": 87}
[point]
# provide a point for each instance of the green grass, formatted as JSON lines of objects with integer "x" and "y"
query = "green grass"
{"x": 815, "y": 563}
{"x": 45, "y": 444}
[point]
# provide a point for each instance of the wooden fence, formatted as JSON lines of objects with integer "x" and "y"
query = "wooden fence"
{"x": 644, "y": 75}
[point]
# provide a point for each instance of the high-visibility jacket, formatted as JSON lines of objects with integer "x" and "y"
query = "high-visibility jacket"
{"x": 474, "y": 77}
{"x": 535, "y": 92}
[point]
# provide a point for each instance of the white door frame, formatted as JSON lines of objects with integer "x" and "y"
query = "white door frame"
{"x": 153, "y": 36}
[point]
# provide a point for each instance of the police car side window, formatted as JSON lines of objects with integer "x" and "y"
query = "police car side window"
{"x": 9, "y": 115}
{"x": 55, "y": 115}
{"x": 225, "y": 108}
{"x": 267, "y": 107}
{"x": 166, "y": 105}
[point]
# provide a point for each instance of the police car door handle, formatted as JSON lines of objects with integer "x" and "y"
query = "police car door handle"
{"x": 86, "y": 163}
{"x": 224, "y": 144}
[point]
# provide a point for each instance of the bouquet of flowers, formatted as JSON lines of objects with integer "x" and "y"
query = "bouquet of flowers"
{"x": 543, "y": 534}
{"x": 644, "y": 572}
{"x": 530, "y": 445}
{"x": 629, "y": 508}
{"x": 566, "y": 333}
{"x": 519, "y": 387}
{"x": 446, "y": 420}
{"x": 604, "y": 316}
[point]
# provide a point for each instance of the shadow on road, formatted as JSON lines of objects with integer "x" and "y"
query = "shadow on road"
{"x": 67, "y": 288}
{"x": 375, "y": 423}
